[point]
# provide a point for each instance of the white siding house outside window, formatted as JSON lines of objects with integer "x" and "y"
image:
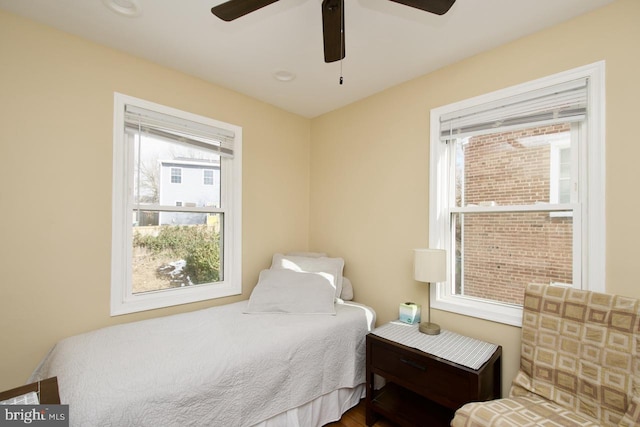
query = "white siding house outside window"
{"x": 517, "y": 191}
{"x": 192, "y": 192}
{"x": 176, "y": 236}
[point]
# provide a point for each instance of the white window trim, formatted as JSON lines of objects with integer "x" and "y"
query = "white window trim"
{"x": 123, "y": 301}
{"x": 592, "y": 234}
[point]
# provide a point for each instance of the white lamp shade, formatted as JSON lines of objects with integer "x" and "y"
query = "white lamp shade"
{"x": 430, "y": 265}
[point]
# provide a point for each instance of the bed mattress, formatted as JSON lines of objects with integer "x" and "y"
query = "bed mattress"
{"x": 212, "y": 367}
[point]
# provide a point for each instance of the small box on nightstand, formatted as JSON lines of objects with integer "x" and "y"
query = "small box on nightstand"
{"x": 409, "y": 313}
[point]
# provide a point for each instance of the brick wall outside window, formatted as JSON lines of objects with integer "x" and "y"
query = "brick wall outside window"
{"x": 505, "y": 251}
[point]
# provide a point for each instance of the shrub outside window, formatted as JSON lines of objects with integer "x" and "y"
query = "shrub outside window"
{"x": 517, "y": 184}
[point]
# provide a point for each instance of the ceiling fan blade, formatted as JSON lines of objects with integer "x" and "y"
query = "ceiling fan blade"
{"x": 439, "y": 7}
{"x": 333, "y": 29}
{"x": 233, "y": 9}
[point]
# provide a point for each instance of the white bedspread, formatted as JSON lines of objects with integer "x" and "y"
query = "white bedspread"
{"x": 213, "y": 367}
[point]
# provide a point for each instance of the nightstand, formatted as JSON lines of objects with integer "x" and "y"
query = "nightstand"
{"x": 428, "y": 377}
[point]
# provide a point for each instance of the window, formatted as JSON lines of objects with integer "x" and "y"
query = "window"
{"x": 207, "y": 177}
{"x": 176, "y": 175}
{"x": 517, "y": 190}
{"x": 168, "y": 251}
{"x": 560, "y": 169}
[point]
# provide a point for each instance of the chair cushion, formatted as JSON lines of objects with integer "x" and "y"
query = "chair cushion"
{"x": 523, "y": 411}
{"x": 579, "y": 364}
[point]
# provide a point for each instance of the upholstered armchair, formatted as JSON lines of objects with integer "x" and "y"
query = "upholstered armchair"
{"x": 579, "y": 364}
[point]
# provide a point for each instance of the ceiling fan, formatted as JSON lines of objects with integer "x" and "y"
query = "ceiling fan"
{"x": 332, "y": 18}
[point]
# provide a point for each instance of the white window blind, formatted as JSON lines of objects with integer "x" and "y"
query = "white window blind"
{"x": 566, "y": 102}
{"x": 179, "y": 130}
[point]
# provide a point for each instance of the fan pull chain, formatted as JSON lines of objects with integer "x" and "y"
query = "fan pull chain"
{"x": 341, "y": 39}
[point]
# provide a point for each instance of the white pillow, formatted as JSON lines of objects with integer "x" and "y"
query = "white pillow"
{"x": 292, "y": 292}
{"x": 308, "y": 254}
{"x": 347, "y": 289}
{"x": 330, "y": 266}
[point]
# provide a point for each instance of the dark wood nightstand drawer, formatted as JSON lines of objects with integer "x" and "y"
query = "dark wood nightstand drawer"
{"x": 422, "y": 389}
{"x": 425, "y": 375}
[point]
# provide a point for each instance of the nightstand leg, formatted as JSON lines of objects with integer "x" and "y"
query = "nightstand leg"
{"x": 371, "y": 417}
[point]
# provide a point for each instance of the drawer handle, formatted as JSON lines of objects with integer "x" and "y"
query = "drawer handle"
{"x": 413, "y": 364}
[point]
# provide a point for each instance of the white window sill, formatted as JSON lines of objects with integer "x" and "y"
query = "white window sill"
{"x": 496, "y": 312}
{"x": 133, "y": 303}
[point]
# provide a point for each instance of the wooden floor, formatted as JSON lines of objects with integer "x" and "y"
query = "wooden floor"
{"x": 356, "y": 417}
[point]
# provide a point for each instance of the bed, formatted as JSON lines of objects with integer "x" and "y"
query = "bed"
{"x": 291, "y": 355}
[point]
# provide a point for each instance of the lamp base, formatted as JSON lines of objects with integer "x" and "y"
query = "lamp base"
{"x": 429, "y": 328}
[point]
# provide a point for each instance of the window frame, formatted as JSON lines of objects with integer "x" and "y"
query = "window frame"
{"x": 589, "y": 244}
{"x": 123, "y": 300}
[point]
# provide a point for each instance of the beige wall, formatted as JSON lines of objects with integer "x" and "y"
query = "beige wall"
{"x": 370, "y": 164}
{"x": 56, "y": 115}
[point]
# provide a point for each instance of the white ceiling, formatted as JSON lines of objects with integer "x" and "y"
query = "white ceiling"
{"x": 386, "y": 43}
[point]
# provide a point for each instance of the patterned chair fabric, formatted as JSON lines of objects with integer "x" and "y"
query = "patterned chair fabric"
{"x": 578, "y": 364}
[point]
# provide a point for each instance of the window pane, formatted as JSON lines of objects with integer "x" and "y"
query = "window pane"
{"x": 170, "y": 256}
{"x": 160, "y": 164}
{"x": 175, "y": 249}
{"x": 516, "y": 167}
{"x": 497, "y": 254}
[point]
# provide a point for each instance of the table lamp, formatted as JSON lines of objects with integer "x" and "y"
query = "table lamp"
{"x": 429, "y": 266}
